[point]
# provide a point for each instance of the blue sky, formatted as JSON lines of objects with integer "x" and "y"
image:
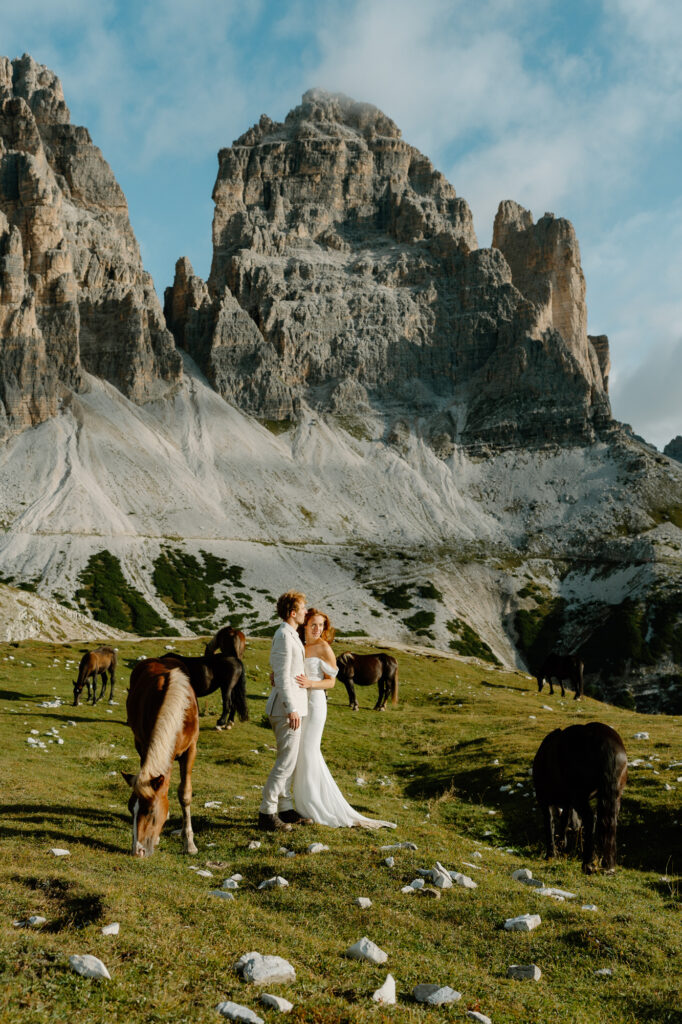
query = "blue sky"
{"x": 574, "y": 108}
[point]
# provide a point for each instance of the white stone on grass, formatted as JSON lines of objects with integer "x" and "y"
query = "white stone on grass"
{"x": 230, "y": 883}
{"x": 213, "y": 803}
{"x": 522, "y": 874}
{"x": 89, "y": 966}
{"x": 523, "y": 923}
{"x": 589, "y": 906}
{"x": 360, "y": 781}
{"x": 276, "y": 1002}
{"x": 111, "y": 929}
{"x": 389, "y": 862}
{"x": 364, "y": 902}
{"x": 264, "y": 970}
{"x": 203, "y": 873}
{"x": 254, "y": 845}
{"x": 641, "y": 736}
{"x": 436, "y": 995}
{"x": 463, "y": 880}
{"x": 58, "y": 852}
{"x": 408, "y": 890}
{"x": 524, "y": 972}
{"x": 386, "y": 994}
{"x": 399, "y": 846}
{"x": 440, "y": 876}
{"x": 223, "y": 895}
{"x": 365, "y": 949}
{"x": 557, "y": 894}
{"x": 235, "y": 1011}
{"x": 417, "y": 883}
{"x": 317, "y": 848}
{"x": 604, "y": 972}
{"x": 35, "y": 921}
{"x": 274, "y": 883}
{"x": 480, "y": 1017}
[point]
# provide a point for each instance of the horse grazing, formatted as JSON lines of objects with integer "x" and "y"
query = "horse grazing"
{"x": 230, "y": 641}
{"x": 366, "y": 669}
{"x": 217, "y": 671}
{"x": 560, "y": 667}
{"x": 164, "y": 716}
{"x": 570, "y": 767}
{"x": 96, "y": 663}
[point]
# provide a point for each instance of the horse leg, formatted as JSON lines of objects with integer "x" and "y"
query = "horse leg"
{"x": 551, "y": 685}
{"x": 186, "y": 761}
{"x": 584, "y": 810}
{"x": 104, "y": 683}
{"x": 547, "y": 817}
{"x": 379, "y": 706}
{"x": 224, "y": 690}
{"x": 563, "y": 692}
{"x": 352, "y": 699}
{"x": 578, "y": 682}
{"x": 92, "y": 690}
{"x": 112, "y": 681}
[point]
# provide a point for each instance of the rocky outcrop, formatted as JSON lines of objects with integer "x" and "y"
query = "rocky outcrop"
{"x": 73, "y": 293}
{"x": 346, "y": 274}
{"x": 673, "y": 449}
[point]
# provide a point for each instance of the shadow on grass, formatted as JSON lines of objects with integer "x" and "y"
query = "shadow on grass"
{"x": 12, "y": 695}
{"x": 47, "y": 819}
{"x": 76, "y": 909}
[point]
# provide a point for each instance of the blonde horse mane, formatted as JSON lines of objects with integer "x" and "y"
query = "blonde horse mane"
{"x": 178, "y": 697}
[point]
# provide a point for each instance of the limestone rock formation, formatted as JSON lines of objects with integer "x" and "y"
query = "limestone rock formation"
{"x": 73, "y": 293}
{"x": 673, "y": 449}
{"x": 346, "y": 274}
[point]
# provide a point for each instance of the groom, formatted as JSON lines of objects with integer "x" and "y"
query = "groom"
{"x": 286, "y": 706}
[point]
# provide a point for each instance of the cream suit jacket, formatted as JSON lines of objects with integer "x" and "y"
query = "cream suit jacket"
{"x": 287, "y": 662}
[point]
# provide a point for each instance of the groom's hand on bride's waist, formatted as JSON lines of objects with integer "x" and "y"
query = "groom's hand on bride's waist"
{"x": 294, "y": 719}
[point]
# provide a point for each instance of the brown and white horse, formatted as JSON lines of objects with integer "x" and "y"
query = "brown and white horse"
{"x": 96, "y": 663}
{"x": 164, "y": 716}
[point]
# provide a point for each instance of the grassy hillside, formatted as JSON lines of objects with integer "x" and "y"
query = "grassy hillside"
{"x": 435, "y": 764}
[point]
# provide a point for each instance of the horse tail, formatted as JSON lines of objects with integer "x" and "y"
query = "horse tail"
{"x": 613, "y": 772}
{"x": 392, "y": 673}
{"x": 239, "y": 696}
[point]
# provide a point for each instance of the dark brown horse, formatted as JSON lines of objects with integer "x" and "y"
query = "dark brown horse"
{"x": 164, "y": 716}
{"x": 560, "y": 667}
{"x": 228, "y": 640}
{"x": 93, "y": 664}
{"x": 571, "y": 766}
{"x": 211, "y": 672}
{"x": 365, "y": 670}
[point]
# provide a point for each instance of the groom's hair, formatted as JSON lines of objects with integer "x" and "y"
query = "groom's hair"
{"x": 287, "y": 603}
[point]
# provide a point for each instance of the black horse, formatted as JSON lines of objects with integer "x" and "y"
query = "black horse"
{"x": 229, "y": 640}
{"x": 366, "y": 669}
{"x": 570, "y": 767}
{"x": 217, "y": 671}
{"x": 560, "y": 667}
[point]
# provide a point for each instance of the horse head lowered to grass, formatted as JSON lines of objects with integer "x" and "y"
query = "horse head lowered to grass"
{"x": 92, "y": 664}
{"x": 164, "y": 716}
{"x": 571, "y": 766}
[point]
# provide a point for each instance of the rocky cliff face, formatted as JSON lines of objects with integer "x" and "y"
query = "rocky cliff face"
{"x": 73, "y": 293}
{"x": 346, "y": 274}
{"x": 673, "y": 449}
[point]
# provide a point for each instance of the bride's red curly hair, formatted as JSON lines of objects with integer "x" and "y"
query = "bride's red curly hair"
{"x": 327, "y": 633}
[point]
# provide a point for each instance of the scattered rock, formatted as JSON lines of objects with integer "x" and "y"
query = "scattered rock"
{"x": 274, "y": 883}
{"x": 89, "y": 966}
{"x": 604, "y": 972}
{"x": 522, "y": 874}
{"x": 264, "y": 970}
{"x": 276, "y": 1002}
{"x": 230, "y": 883}
{"x": 254, "y": 845}
{"x": 317, "y": 848}
{"x": 203, "y": 873}
{"x": 428, "y": 891}
{"x": 59, "y": 852}
{"x": 589, "y": 906}
{"x": 365, "y": 949}
{"x": 408, "y": 890}
{"x": 399, "y": 846}
{"x": 234, "y": 1011}
{"x": 524, "y": 923}
{"x": 524, "y": 972}
{"x": 213, "y": 803}
{"x": 223, "y": 895}
{"x": 111, "y": 929}
{"x": 363, "y": 901}
{"x": 480, "y": 1017}
{"x": 417, "y": 883}
{"x": 436, "y": 995}
{"x": 640, "y": 736}
{"x": 386, "y": 994}
{"x": 360, "y": 781}
{"x": 35, "y": 921}
{"x": 463, "y": 880}
{"x": 557, "y": 894}
{"x": 389, "y": 862}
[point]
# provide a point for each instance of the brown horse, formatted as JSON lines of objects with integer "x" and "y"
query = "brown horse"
{"x": 96, "y": 663}
{"x": 164, "y": 716}
{"x": 560, "y": 667}
{"x": 365, "y": 670}
{"x": 217, "y": 671}
{"x": 570, "y": 767}
{"x": 230, "y": 641}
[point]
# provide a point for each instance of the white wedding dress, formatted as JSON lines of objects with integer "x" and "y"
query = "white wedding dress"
{"x": 315, "y": 793}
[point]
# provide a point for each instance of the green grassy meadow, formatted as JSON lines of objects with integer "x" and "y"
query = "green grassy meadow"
{"x": 434, "y": 764}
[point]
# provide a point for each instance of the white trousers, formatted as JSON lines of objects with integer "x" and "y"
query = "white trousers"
{"x": 277, "y": 790}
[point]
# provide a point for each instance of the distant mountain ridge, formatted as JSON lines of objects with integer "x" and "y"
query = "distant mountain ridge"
{"x": 358, "y": 400}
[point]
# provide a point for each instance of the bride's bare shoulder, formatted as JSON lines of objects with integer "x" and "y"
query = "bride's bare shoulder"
{"x": 327, "y": 653}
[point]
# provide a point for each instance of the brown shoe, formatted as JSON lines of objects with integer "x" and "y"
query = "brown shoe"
{"x": 292, "y": 817}
{"x": 272, "y": 823}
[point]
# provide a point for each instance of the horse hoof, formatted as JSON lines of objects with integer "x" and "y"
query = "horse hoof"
{"x": 229, "y": 726}
{"x": 219, "y": 728}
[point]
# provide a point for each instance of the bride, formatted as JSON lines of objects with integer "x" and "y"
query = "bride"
{"x": 315, "y": 793}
